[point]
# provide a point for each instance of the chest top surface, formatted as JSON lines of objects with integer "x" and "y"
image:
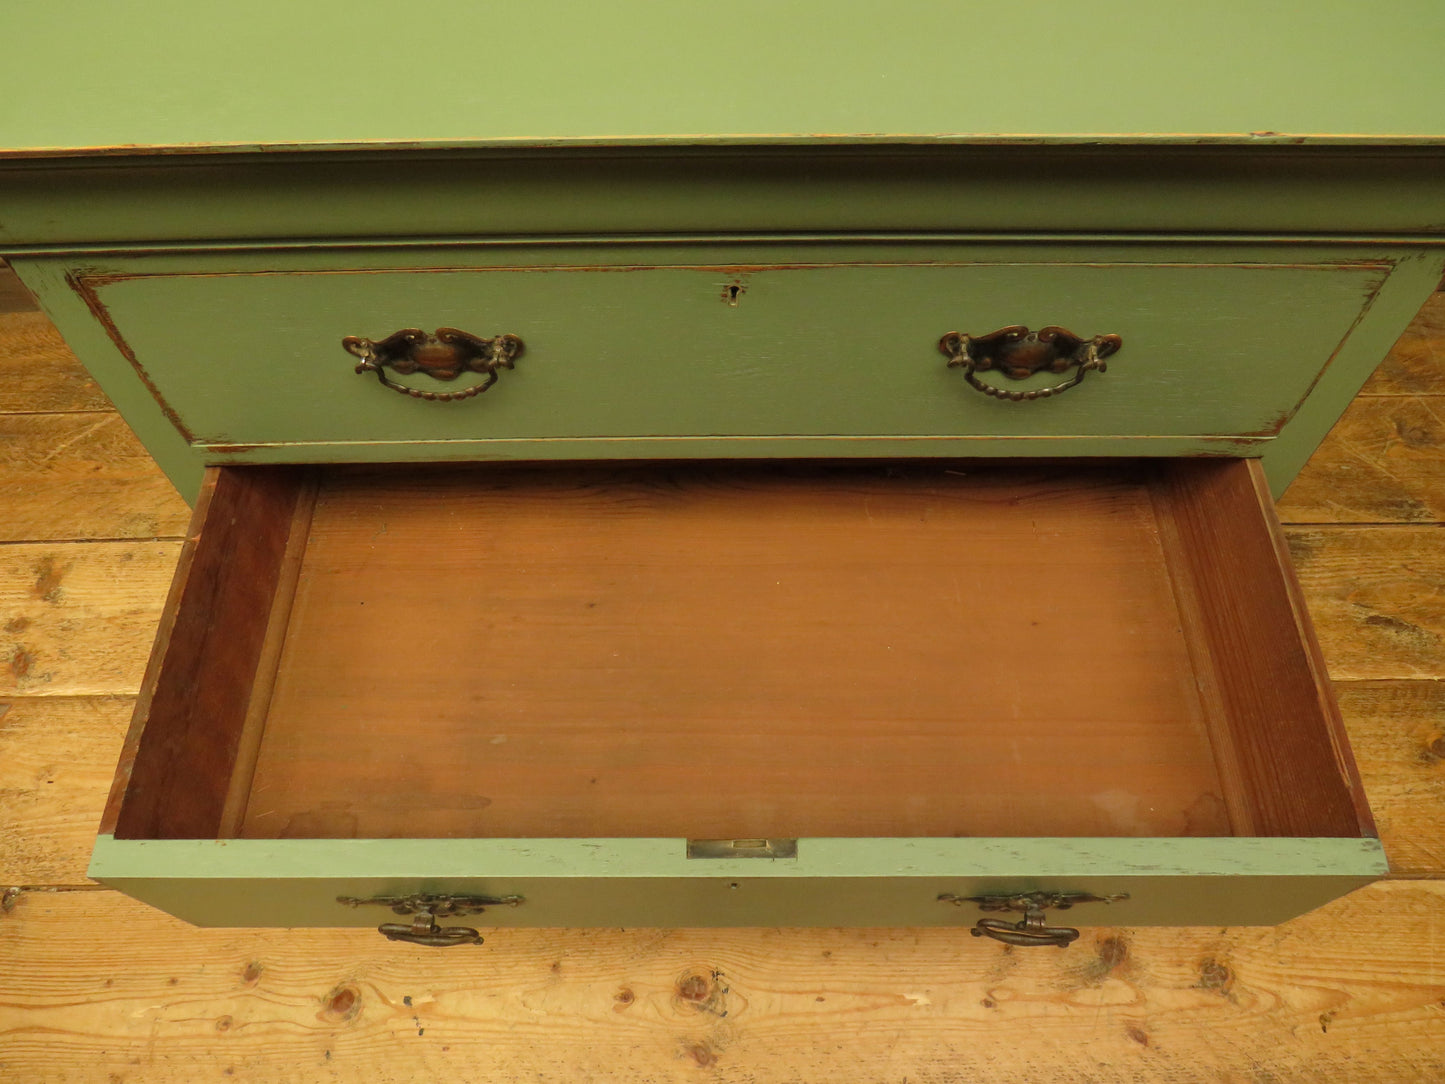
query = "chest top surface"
{"x": 94, "y": 77}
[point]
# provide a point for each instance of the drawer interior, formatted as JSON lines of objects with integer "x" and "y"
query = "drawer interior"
{"x": 721, "y": 650}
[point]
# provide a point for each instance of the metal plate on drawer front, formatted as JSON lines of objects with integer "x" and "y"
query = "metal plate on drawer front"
{"x": 742, "y": 848}
{"x": 681, "y": 345}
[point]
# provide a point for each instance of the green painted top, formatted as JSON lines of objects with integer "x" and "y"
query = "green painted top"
{"x": 95, "y": 75}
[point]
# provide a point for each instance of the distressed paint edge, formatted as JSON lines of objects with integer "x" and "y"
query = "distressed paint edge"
{"x": 741, "y": 239}
{"x": 650, "y": 882}
{"x": 724, "y": 446}
{"x": 1401, "y": 296}
{"x": 87, "y": 280}
{"x": 817, "y": 858}
{"x": 108, "y": 367}
{"x": 1370, "y": 140}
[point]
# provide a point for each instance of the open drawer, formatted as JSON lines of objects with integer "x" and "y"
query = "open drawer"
{"x": 737, "y": 694}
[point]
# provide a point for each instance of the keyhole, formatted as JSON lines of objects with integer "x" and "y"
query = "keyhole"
{"x": 732, "y": 293}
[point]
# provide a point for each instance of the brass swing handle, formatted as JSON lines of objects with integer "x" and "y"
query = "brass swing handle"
{"x": 442, "y": 355}
{"x": 1027, "y": 932}
{"x": 1018, "y": 353}
{"x": 424, "y": 909}
{"x": 1032, "y": 929}
{"x": 423, "y": 930}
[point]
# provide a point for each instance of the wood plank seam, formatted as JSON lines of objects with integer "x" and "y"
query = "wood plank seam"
{"x": 1351, "y": 993}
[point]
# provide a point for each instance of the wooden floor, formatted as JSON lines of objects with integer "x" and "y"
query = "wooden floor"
{"x": 94, "y": 987}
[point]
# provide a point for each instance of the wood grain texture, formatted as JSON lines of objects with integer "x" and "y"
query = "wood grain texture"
{"x": 1377, "y": 596}
{"x": 253, "y": 726}
{"x": 81, "y": 475}
{"x": 37, "y": 370}
{"x": 1257, "y": 655}
{"x": 197, "y": 689}
{"x": 14, "y": 297}
{"x": 739, "y": 651}
{"x": 78, "y": 618}
{"x": 1397, "y": 731}
{"x": 1351, "y": 992}
{"x": 1384, "y": 462}
{"x": 1398, "y": 301}
{"x": 1416, "y": 364}
{"x": 57, "y": 756}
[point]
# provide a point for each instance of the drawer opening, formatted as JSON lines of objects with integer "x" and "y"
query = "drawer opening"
{"x": 734, "y": 651}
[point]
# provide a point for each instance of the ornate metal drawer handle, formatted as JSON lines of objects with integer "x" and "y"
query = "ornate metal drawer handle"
{"x": 425, "y": 909}
{"x": 1018, "y": 352}
{"x": 444, "y": 355}
{"x": 1032, "y": 929}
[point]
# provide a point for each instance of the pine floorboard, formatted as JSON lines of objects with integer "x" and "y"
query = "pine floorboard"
{"x": 95, "y": 987}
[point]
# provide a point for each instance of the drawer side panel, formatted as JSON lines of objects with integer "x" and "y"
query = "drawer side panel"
{"x": 192, "y": 714}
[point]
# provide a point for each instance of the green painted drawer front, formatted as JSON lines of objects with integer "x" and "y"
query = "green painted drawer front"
{"x": 651, "y": 882}
{"x": 657, "y": 355}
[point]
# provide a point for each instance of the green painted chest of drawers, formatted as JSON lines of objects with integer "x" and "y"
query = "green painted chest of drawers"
{"x": 744, "y": 241}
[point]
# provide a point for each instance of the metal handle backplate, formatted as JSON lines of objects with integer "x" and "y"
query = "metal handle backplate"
{"x": 425, "y": 909}
{"x": 1017, "y": 353}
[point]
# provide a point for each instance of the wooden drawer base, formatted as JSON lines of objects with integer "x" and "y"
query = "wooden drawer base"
{"x": 939, "y": 678}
